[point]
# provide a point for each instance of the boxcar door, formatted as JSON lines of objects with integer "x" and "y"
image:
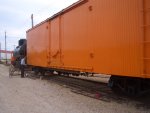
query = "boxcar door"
{"x": 55, "y": 42}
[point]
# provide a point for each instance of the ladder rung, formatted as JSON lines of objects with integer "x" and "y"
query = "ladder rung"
{"x": 146, "y": 25}
{"x": 146, "y": 74}
{"x": 146, "y": 58}
{"x": 146, "y": 41}
{"x": 145, "y": 10}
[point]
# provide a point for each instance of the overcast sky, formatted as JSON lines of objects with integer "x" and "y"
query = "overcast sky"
{"x": 15, "y": 16}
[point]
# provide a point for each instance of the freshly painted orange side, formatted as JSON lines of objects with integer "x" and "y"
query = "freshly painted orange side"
{"x": 117, "y": 40}
{"x": 101, "y": 36}
{"x": 55, "y": 42}
{"x": 38, "y": 45}
{"x": 104, "y": 36}
{"x": 77, "y": 46}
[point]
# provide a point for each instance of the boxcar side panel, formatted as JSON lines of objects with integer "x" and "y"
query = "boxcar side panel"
{"x": 55, "y": 48}
{"x": 117, "y": 43}
{"x": 104, "y": 36}
{"x": 38, "y": 45}
{"x": 76, "y": 44}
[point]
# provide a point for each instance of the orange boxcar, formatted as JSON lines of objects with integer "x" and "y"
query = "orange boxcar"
{"x": 96, "y": 36}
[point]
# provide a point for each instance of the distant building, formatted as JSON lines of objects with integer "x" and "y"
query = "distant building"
{"x": 3, "y": 54}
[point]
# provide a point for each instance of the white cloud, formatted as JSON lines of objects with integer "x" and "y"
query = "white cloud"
{"x": 15, "y": 16}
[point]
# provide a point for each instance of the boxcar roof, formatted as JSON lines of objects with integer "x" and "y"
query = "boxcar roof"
{"x": 74, "y": 5}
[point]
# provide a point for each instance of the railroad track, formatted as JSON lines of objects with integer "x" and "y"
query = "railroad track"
{"x": 94, "y": 89}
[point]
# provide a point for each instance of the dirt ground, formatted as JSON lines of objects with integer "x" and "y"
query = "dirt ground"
{"x": 57, "y": 94}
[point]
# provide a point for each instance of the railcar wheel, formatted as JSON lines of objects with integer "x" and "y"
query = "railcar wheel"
{"x": 42, "y": 72}
{"x": 127, "y": 85}
{"x": 36, "y": 72}
{"x": 112, "y": 83}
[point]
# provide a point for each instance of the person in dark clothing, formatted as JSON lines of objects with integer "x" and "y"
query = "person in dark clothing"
{"x": 23, "y": 66}
{"x": 23, "y": 58}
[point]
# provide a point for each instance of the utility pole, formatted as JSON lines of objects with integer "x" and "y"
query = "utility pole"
{"x": 14, "y": 46}
{"x": 32, "y": 20}
{"x": 5, "y": 48}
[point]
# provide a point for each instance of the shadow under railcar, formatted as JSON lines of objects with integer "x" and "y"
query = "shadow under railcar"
{"x": 98, "y": 90}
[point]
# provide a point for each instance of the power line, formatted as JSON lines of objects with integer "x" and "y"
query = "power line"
{"x": 12, "y": 36}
